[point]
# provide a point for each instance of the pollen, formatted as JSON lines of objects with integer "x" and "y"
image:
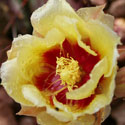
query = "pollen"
{"x": 69, "y": 71}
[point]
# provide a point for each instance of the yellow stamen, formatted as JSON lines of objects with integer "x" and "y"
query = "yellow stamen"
{"x": 69, "y": 71}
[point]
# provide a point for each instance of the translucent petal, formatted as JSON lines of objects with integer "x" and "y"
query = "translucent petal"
{"x": 53, "y": 37}
{"x": 96, "y": 13}
{"x": 83, "y": 120}
{"x": 60, "y": 115}
{"x": 32, "y": 94}
{"x": 88, "y": 88}
{"x": 68, "y": 26}
{"x": 45, "y": 119}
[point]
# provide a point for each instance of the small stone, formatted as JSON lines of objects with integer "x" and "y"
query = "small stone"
{"x": 119, "y": 113}
{"x": 121, "y": 58}
{"x": 76, "y": 4}
{"x": 4, "y": 98}
{"x": 6, "y": 115}
{"x": 98, "y": 2}
{"x": 27, "y": 121}
{"x": 117, "y": 8}
{"x": 120, "y": 83}
{"x": 119, "y": 27}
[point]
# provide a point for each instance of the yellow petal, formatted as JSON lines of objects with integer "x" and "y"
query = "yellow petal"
{"x": 60, "y": 115}
{"x": 27, "y": 49}
{"x": 53, "y": 37}
{"x": 108, "y": 85}
{"x": 104, "y": 41}
{"x": 87, "y": 48}
{"x": 84, "y": 120}
{"x": 88, "y": 88}
{"x": 96, "y": 13}
{"x": 42, "y": 19}
{"x": 68, "y": 26}
{"x": 32, "y": 94}
{"x": 61, "y": 106}
{"x": 45, "y": 119}
{"x": 12, "y": 84}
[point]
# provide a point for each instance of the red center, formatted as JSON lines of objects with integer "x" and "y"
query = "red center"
{"x": 51, "y": 83}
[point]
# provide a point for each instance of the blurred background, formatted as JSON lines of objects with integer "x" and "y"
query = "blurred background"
{"x": 15, "y": 19}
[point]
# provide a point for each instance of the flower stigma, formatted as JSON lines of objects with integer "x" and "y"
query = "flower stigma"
{"x": 69, "y": 71}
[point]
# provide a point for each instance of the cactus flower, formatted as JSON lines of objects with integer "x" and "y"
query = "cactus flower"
{"x": 64, "y": 73}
